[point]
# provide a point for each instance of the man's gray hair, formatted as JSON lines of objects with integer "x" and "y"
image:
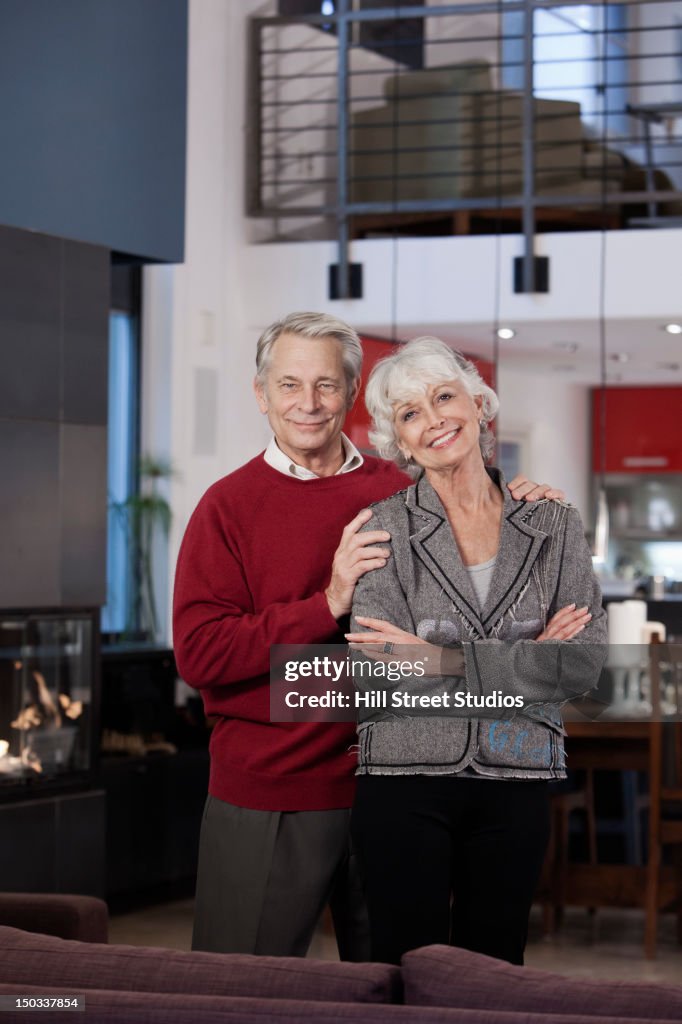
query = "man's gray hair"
{"x": 312, "y": 325}
{"x": 408, "y": 373}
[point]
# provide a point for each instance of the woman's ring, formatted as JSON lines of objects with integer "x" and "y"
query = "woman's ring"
{"x": 388, "y": 647}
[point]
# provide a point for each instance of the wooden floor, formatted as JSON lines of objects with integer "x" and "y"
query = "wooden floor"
{"x": 605, "y": 945}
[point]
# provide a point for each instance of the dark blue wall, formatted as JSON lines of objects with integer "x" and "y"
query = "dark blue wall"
{"x": 92, "y": 121}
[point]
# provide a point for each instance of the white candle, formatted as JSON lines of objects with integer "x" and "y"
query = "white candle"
{"x": 625, "y": 620}
{"x": 650, "y": 629}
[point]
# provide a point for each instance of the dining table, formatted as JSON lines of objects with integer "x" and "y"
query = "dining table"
{"x": 628, "y": 744}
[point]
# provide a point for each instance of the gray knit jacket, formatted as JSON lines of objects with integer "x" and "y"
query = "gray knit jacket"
{"x": 543, "y": 563}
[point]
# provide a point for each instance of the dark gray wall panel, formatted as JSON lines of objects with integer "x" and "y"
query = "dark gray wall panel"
{"x": 54, "y": 334}
{"x": 29, "y": 324}
{"x": 28, "y": 846}
{"x": 29, "y": 369}
{"x": 29, "y": 288}
{"x": 54, "y": 845}
{"x": 93, "y": 109}
{"x": 81, "y": 843}
{"x": 83, "y": 515}
{"x": 29, "y": 514}
{"x": 85, "y": 322}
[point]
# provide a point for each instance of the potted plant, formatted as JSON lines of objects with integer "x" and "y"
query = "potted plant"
{"x": 146, "y": 515}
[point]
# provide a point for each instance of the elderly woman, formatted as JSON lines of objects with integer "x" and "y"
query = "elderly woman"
{"x": 451, "y": 814}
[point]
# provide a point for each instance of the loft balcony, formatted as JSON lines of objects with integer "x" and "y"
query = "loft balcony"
{"x": 477, "y": 118}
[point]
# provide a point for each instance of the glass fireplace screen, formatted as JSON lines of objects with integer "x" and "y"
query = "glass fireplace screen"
{"x": 46, "y": 683}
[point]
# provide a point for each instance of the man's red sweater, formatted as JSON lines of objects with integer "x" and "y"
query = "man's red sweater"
{"x": 252, "y": 569}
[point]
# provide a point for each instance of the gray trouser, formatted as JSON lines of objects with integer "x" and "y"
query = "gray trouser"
{"x": 265, "y": 877}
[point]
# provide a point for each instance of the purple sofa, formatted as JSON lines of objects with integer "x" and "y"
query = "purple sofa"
{"x": 435, "y": 985}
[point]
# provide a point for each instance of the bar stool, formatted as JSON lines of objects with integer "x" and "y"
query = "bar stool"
{"x": 664, "y": 885}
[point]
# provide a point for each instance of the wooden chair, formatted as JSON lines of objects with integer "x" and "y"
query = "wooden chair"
{"x": 552, "y": 889}
{"x": 664, "y": 885}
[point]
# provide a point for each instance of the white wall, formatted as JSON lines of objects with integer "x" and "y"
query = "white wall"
{"x": 195, "y": 329}
{"x": 657, "y": 49}
{"x": 299, "y": 91}
{"x": 457, "y": 39}
{"x": 454, "y": 279}
{"x": 554, "y": 417}
{"x": 205, "y": 316}
{"x": 655, "y": 74}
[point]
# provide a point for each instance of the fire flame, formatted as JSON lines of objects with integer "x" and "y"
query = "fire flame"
{"x": 72, "y": 708}
{"x": 45, "y": 712}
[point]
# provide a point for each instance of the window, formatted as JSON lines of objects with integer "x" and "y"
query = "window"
{"x": 118, "y": 613}
{"x": 580, "y": 54}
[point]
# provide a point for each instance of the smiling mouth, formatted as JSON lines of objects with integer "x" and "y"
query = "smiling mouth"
{"x": 445, "y": 439}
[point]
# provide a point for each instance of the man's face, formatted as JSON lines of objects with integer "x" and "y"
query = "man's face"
{"x": 305, "y": 396}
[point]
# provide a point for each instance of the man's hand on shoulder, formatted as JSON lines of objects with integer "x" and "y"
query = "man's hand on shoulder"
{"x": 523, "y": 489}
{"x": 355, "y": 555}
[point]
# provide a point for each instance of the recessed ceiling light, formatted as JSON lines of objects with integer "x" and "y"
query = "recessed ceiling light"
{"x": 506, "y": 333}
{"x": 673, "y": 328}
{"x": 673, "y": 367}
{"x": 619, "y": 357}
{"x": 566, "y": 346}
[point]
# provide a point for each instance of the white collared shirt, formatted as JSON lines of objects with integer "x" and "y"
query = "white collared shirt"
{"x": 275, "y": 457}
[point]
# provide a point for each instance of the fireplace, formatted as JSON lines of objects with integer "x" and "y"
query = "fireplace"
{"x": 48, "y": 701}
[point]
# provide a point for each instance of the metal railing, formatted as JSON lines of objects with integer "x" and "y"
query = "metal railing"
{"x": 479, "y": 110}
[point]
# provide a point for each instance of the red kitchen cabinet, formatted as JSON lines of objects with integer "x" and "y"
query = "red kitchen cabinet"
{"x": 357, "y": 420}
{"x": 643, "y": 428}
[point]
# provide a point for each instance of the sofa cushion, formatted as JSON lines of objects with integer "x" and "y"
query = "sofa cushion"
{"x": 26, "y": 958}
{"x": 70, "y": 917}
{"x": 448, "y": 976}
{"x": 470, "y": 77}
{"x": 446, "y": 134}
{"x": 107, "y": 1007}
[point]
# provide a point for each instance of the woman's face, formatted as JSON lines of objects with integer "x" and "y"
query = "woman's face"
{"x": 441, "y": 428}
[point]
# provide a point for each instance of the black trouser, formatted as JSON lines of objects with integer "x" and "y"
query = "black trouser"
{"x": 449, "y": 860}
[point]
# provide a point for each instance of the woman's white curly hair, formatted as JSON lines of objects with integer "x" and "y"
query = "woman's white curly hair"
{"x": 409, "y": 372}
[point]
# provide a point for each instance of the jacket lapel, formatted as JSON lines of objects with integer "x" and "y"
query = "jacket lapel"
{"x": 520, "y": 545}
{"x": 434, "y": 544}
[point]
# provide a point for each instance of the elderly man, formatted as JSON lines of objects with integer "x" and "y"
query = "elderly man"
{"x": 271, "y": 556}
